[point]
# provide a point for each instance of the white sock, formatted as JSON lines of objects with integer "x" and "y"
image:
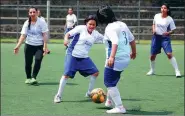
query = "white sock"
{"x": 174, "y": 63}
{"x": 108, "y": 95}
{"x": 91, "y": 83}
{"x": 152, "y": 65}
{"x": 115, "y": 95}
{"x": 63, "y": 82}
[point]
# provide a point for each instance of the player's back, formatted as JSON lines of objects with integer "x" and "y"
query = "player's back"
{"x": 118, "y": 31}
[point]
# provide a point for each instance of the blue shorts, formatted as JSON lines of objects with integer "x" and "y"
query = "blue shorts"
{"x": 111, "y": 77}
{"x": 158, "y": 42}
{"x": 85, "y": 66}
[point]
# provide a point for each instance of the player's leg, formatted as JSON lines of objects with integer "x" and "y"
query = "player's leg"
{"x": 155, "y": 49}
{"x": 37, "y": 65}
{"x": 28, "y": 54}
{"x": 166, "y": 44}
{"x": 88, "y": 68}
{"x": 112, "y": 90}
{"x": 69, "y": 72}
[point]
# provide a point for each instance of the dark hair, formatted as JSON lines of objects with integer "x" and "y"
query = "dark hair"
{"x": 168, "y": 9}
{"x": 70, "y": 8}
{"x": 91, "y": 17}
{"x": 29, "y": 20}
{"x": 105, "y": 15}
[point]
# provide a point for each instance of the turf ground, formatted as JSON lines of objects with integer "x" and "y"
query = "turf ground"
{"x": 161, "y": 94}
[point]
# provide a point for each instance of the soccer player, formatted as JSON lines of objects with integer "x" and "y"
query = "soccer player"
{"x": 77, "y": 59}
{"x": 118, "y": 40}
{"x": 163, "y": 26}
{"x": 71, "y": 21}
{"x": 34, "y": 31}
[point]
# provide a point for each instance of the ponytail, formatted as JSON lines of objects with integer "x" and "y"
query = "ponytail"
{"x": 29, "y": 22}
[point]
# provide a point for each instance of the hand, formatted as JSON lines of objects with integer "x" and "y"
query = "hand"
{"x": 66, "y": 42}
{"x": 153, "y": 32}
{"x": 166, "y": 33}
{"x": 16, "y": 50}
{"x": 133, "y": 56}
{"x": 110, "y": 61}
{"x": 45, "y": 51}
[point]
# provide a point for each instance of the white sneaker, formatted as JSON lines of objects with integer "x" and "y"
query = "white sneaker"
{"x": 88, "y": 95}
{"x": 57, "y": 99}
{"x": 151, "y": 72}
{"x": 109, "y": 104}
{"x": 178, "y": 74}
{"x": 116, "y": 110}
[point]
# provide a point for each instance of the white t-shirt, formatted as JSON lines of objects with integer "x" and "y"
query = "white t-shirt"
{"x": 163, "y": 25}
{"x": 70, "y": 20}
{"x": 81, "y": 44}
{"x": 34, "y": 34}
{"x": 118, "y": 33}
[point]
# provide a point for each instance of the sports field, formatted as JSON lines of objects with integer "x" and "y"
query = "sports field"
{"x": 161, "y": 94}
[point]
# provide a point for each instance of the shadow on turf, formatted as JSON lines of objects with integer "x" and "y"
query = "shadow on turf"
{"x": 86, "y": 100}
{"x": 137, "y": 111}
{"x": 54, "y": 83}
{"x": 168, "y": 75}
{"x": 136, "y": 99}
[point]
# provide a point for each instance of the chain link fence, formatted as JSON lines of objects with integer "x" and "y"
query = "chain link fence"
{"x": 137, "y": 14}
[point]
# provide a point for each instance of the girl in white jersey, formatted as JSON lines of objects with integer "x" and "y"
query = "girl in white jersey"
{"x": 77, "y": 59}
{"x": 163, "y": 26}
{"x": 34, "y": 31}
{"x": 118, "y": 40}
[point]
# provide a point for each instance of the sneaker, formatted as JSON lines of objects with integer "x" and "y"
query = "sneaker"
{"x": 28, "y": 81}
{"x": 109, "y": 104}
{"x": 116, "y": 110}
{"x": 57, "y": 99}
{"x": 88, "y": 95}
{"x": 151, "y": 72}
{"x": 33, "y": 81}
{"x": 178, "y": 75}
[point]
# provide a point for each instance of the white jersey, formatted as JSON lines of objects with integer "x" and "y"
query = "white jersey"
{"x": 82, "y": 41}
{"x": 70, "y": 20}
{"x": 118, "y": 33}
{"x": 34, "y": 34}
{"x": 163, "y": 25}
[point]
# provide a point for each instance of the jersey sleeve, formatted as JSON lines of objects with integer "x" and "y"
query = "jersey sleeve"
{"x": 44, "y": 26}
{"x": 154, "y": 20}
{"x": 172, "y": 25}
{"x": 24, "y": 28}
{"x": 130, "y": 35}
{"x": 99, "y": 36}
{"x": 75, "y": 19}
{"x": 76, "y": 30}
{"x": 112, "y": 36}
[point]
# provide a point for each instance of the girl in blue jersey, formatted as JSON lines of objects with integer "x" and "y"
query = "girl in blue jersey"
{"x": 118, "y": 40}
{"x": 163, "y": 26}
{"x": 77, "y": 59}
{"x": 34, "y": 31}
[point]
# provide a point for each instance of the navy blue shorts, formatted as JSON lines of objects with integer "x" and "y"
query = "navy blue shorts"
{"x": 85, "y": 66}
{"x": 158, "y": 42}
{"x": 111, "y": 77}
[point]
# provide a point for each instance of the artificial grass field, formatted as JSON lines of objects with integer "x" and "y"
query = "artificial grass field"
{"x": 161, "y": 94}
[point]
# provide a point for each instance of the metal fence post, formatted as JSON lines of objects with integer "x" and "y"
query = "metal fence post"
{"x": 77, "y": 11}
{"x": 17, "y": 26}
{"x": 138, "y": 29}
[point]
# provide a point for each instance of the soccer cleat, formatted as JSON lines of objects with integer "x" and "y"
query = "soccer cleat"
{"x": 88, "y": 94}
{"x": 151, "y": 72}
{"x": 28, "y": 81}
{"x": 57, "y": 99}
{"x": 33, "y": 81}
{"x": 109, "y": 104}
{"x": 178, "y": 75}
{"x": 117, "y": 110}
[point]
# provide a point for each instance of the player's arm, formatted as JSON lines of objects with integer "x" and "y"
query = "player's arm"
{"x": 112, "y": 35}
{"x": 21, "y": 39}
{"x": 75, "y": 21}
{"x": 153, "y": 29}
{"x": 172, "y": 28}
{"x": 132, "y": 44}
{"x": 44, "y": 29}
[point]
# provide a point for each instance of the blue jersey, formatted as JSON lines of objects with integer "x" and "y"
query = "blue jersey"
{"x": 118, "y": 33}
{"x": 82, "y": 41}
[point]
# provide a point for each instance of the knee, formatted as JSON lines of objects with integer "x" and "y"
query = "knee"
{"x": 169, "y": 55}
{"x": 152, "y": 58}
{"x": 96, "y": 74}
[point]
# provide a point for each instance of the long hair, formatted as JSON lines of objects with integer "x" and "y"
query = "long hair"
{"x": 168, "y": 9}
{"x": 29, "y": 20}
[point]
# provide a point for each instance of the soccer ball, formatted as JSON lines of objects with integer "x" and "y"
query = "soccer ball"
{"x": 98, "y": 95}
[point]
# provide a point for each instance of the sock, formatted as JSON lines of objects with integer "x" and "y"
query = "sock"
{"x": 152, "y": 65}
{"x": 174, "y": 63}
{"x": 91, "y": 83}
{"x": 63, "y": 82}
{"x": 115, "y": 95}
